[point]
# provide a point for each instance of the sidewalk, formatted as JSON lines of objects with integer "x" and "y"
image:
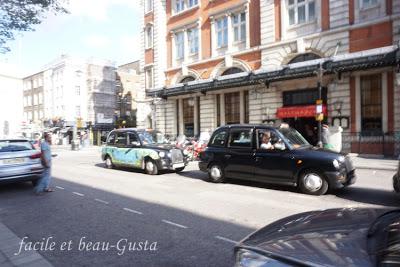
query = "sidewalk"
{"x": 374, "y": 163}
{"x": 10, "y": 245}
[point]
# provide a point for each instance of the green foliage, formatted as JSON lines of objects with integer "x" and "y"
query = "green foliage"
{"x": 21, "y": 15}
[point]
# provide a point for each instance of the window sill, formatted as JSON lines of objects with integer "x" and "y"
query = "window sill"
{"x": 177, "y": 14}
{"x": 307, "y": 23}
{"x": 148, "y": 48}
{"x": 148, "y": 12}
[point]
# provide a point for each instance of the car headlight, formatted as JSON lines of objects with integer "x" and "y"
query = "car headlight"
{"x": 169, "y": 155}
{"x": 247, "y": 258}
{"x": 161, "y": 154}
{"x": 336, "y": 164}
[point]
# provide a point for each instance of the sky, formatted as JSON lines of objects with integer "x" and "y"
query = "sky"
{"x": 105, "y": 29}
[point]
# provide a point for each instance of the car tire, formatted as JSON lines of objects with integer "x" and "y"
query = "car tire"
{"x": 216, "y": 173}
{"x": 311, "y": 182}
{"x": 108, "y": 162}
{"x": 179, "y": 169}
{"x": 396, "y": 183}
{"x": 150, "y": 167}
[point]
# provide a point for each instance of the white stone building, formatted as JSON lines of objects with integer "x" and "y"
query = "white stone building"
{"x": 79, "y": 89}
{"x": 11, "y": 106}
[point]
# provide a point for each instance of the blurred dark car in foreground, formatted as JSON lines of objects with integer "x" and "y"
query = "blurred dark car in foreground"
{"x": 396, "y": 179}
{"x": 361, "y": 237}
{"x": 19, "y": 161}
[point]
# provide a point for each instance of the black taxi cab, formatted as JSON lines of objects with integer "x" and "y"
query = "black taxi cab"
{"x": 276, "y": 155}
{"x": 142, "y": 149}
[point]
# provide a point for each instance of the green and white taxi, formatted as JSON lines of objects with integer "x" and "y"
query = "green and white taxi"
{"x": 142, "y": 149}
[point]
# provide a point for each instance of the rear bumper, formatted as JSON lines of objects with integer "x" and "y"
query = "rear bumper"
{"x": 339, "y": 179}
{"x": 21, "y": 173}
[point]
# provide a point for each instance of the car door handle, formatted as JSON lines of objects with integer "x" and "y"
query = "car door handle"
{"x": 227, "y": 156}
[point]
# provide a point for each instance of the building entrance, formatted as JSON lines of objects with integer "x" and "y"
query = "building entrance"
{"x": 308, "y": 127}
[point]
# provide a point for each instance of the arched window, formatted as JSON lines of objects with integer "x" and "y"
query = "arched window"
{"x": 304, "y": 57}
{"x": 187, "y": 79}
{"x": 232, "y": 70}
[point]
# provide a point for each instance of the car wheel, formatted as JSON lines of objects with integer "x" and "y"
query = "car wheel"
{"x": 109, "y": 163}
{"x": 396, "y": 183}
{"x": 313, "y": 183}
{"x": 216, "y": 174}
{"x": 150, "y": 167}
{"x": 179, "y": 169}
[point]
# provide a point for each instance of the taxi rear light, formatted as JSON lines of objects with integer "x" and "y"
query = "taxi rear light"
{"x": 36, "y": 156}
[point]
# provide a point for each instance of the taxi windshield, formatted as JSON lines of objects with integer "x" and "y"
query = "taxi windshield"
{"x": 294, "y": 138}
{"x": 152, "y": 137}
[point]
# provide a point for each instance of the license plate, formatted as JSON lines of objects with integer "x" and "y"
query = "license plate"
{"x": 13, "y": 161}
{"x": 178, "y": 165}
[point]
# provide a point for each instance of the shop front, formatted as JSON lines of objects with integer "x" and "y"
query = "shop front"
{"x": 358, "y": 94}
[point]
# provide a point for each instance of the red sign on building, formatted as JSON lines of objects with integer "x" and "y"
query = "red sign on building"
{"x": 299, "y": 111}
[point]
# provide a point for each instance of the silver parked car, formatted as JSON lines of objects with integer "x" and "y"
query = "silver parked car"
{"x": 19, "y": 161}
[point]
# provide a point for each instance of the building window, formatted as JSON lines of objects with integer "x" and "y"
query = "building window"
{"x": 232, "y": 108}
{"x": 77, "y": 90}
{"x": 78, "y": 111}
{"x": 301, "y": 11}
{"x": 179, "y": 45}
{"x": 218, "y": 110}
{"x": 177, "y": 116}
{"x": 193, "y": 40}
{"x": 304, "y": 57}
{"x": 222, "y": 32}
{"x": 188, "y": 116}
{"x": 192, "y": 3}
{"x": 179, "y": 5}
{"x": 148, "y": 6}
{"x": 368, "y": 3}
{"x": 371, "y": 103}
{"x": 232, "y": 70}
{"x": 149, "y": 37}
{"x": 149, "y": 78}
{"x": 246, "y": 107}
{"x": 40, "y": 98}
{"x": 187, "y": 79}
{"x": 239, "y": 27}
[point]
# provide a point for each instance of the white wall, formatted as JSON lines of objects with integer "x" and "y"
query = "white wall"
{"x": 11, "y": 101}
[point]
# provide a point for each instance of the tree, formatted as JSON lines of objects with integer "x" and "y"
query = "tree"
{"x": 21, "y": 15}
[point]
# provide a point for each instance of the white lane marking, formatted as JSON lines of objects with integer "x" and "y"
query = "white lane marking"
{"x": 78, "y": 194}
{"x": 101, "y": 201}
{"x": 226, "y": 239}
{"x": 175, "y": 224}
{"x": 59, "y": 187}
{"x": 133, "y": 211}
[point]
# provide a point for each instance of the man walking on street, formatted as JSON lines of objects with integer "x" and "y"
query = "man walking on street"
{"x": 44, "y": 181}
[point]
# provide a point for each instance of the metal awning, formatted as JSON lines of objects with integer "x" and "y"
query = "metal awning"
{"x": 369, "y": 59}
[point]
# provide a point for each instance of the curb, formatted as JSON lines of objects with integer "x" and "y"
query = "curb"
{"x": 10, "y": 244}
{"x": 376, "y": 168}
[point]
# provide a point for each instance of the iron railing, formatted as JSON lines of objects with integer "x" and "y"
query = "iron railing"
{"x": 386, "y": 144}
